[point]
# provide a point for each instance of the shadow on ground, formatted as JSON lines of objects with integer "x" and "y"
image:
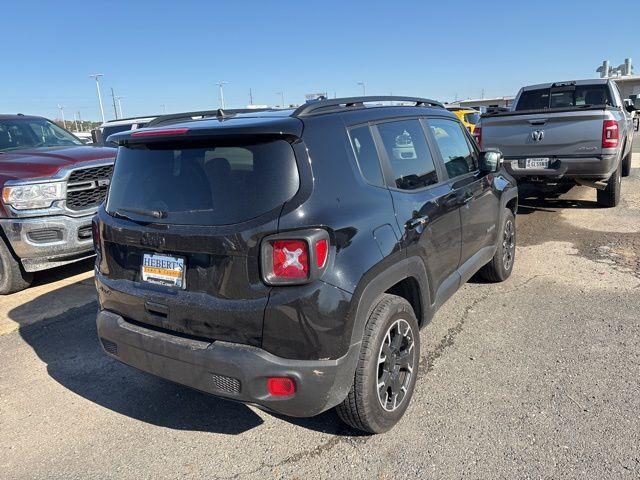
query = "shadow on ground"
{"x": 68, "y": 345}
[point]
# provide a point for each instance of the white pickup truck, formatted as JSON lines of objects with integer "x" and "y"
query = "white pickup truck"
{"x": 565, "y": 133}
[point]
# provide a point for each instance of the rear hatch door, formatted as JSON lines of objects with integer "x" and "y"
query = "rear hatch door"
{"x": 201, "y": 209}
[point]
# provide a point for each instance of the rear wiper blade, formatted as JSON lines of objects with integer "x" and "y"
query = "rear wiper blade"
{"x": 140, "y": 211}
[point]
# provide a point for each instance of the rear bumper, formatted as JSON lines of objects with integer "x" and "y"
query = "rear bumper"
{"x": 49, "y": 241}
{"x": 593, "y": 168}
{"x": 230, "y": 370}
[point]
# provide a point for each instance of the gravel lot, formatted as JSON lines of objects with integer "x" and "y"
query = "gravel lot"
{"x": 538, "y": 377}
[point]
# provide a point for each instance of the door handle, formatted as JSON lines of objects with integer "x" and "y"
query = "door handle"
{"x": 416, "y": 222}
{"x": 466, "y": 199}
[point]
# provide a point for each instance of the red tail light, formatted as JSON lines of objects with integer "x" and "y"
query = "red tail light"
{"x": 95, "y": 233}
{"x": 290, "y": 259}
{"x": 281, "y": 386}
{"x": 295, "y": 258}
{"x": 477, "y": 133}
{"x": 610, "y": 134}
{"x": 322, "y": 252}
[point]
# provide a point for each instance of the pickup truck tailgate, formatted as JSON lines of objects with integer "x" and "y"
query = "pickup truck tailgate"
{"x": 556, "y": 133}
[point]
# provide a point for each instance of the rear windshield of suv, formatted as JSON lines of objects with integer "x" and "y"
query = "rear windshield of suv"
{"x": 217, "y": 185}
{"x": 564, "y": 97}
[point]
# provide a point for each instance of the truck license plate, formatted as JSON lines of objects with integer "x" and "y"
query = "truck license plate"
{"x": 163, "y": 270}
{"x": 536, "y": 163}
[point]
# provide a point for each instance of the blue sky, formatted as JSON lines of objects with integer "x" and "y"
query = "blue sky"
{"x": 173, "y": 52}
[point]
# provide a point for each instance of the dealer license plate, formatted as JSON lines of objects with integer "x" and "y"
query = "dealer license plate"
{"x": 163, "y": 270}
{"x": 536, "y": 163}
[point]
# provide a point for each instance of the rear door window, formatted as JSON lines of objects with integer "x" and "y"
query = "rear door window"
{"x": 215, "y": 185}
{"x": 458, "y": 155}
{"x": 366, "y": 154}
{"x": 408, "y": 153}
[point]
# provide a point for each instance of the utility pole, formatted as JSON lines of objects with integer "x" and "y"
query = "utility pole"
{"x": 250, "y": 97}
{"x": 113, "y": 99}
{"x": 281, "y": 98}
{"x": 75, "y": 120}
{"x": 61, "y": 108}
{"x": 119, "y": 100}
{"x": 80, "y": 120}
{"x": 96, "y": 77}
{"x": 364, "y": 88}
{"x": 220, "y": 84}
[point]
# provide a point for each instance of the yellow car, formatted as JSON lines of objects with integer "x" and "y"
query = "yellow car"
{"x": 467, "y": 116}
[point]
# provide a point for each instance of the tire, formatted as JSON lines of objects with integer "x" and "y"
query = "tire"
{"x": 501, "y": 265}
{"x": 610, "y": 196}
{"x": 626, "y": 164}
{"x": 392, "y": 318}
{"x": 13, "y": 278}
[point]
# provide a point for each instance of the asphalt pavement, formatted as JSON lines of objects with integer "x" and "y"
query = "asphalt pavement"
{"x": 537, "y": 377}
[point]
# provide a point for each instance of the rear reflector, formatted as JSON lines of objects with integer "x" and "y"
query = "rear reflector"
{"x": 165, "y": 132}
{"x": 610, "y": 134}
{"x": 281, "y": 386}
{"x": 290, "y": 259}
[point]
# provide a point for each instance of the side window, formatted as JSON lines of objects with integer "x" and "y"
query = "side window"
{"x": 408, "y": 154}
{"x": 366, "y": 154}
{"x": 458, "y": 156}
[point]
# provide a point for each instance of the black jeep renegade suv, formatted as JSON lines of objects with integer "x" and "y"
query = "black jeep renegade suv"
{"x": 287, "y": 259}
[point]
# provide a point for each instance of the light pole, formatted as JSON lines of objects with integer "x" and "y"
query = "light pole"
{"x": 164, "y": 108}
{"x": 75, "y": 120}
{"x": 281, "y": 99}
{"x": 119, "y": 100}
{"x": 364, "y": 88}
{"x": 96, "y": 77}
{"x": 61, "y": 108}
{"x": 220, "y": 84}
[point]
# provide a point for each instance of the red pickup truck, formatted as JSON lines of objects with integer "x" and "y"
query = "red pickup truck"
{"x": 51, "y": 186}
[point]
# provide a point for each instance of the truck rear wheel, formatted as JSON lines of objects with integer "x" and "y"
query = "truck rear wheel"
{"x": 610, "y": 196}
{"x": 13, "y": 278}
{"x": 387, "y": 367}
{"x": 626, "y": 164}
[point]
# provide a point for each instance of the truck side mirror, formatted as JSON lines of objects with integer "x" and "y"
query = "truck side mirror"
{"x": 629, "y": 106}
{"x": 490, "y": 161}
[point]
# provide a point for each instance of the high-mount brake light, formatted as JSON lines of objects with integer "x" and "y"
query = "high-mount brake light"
{"x": 610, "y": 134}
{"x": 164, "y": 132}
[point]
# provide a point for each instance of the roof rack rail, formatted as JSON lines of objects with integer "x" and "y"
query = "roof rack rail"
{"x": 219, "y": 113}
{"x": 325, "y": 106}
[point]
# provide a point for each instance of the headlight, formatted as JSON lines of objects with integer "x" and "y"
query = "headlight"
{"x": 35, "y": 195}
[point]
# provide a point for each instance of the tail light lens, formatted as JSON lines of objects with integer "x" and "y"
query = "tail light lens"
{"x": 610, "y": 134}
{"x": 290, "y": 259}
{"x": 281, "y": 386}
{"x": 294, "y": 258}
{"x": 477, "y": 133}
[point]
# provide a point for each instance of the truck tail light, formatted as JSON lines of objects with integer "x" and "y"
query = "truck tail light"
{"x": 477, "y": 133}
{"x": 281, "y": 386}
{"x": 610, "y": 134}
{"x": 294, "y": 258}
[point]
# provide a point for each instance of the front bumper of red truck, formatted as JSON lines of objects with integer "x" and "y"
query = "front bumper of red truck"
{"x": 47, "y": 242}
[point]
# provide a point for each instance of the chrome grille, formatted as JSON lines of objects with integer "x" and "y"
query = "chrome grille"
{"x": 88, "y": 187}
